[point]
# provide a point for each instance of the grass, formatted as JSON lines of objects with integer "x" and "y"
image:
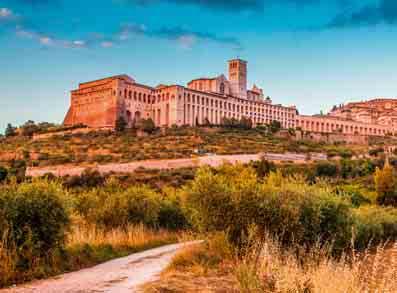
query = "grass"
{"x": 106, "y": 147}
{"x": 87, "y": 245}
{"x": 266, "y": 267}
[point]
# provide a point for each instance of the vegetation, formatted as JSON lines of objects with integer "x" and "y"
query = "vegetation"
{"x": 121, "y": 124}
{"x": 386, "y": 185}
{"x": 263, "y": 223}
{"x": 101, "y": 147}
{"x": 47, "y": 229}
{"x": 10, "y": 130}
{"x": 266, "y": 266}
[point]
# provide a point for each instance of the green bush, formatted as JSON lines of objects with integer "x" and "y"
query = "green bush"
{"x": 171, "y": 215}
{"x": 326, "y": 169}
{"x": 89, "y": 178}
{"x": 225, "y": 200}
{"x": 231, "y": 199}
{"x": 35, "y": 216}
{"x": 112, "y": 206}
{"x": 374, "y": 225}
{"x": 354, "y": 194}
{"x": 3, "y": 174}
{"x": 263, "y": 167}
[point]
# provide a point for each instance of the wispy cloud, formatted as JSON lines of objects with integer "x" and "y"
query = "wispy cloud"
{"x": 212, "y": 4}
{"x": 382, "y": 12}
{"x": 47, "y": 40}
{"x": 232, "y": 5}
{"x": 188, "y": 39}
{"x": 7, "y": 14}
{"x": 184, "y": 37}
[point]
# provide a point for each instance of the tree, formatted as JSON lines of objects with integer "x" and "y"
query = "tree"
{"x": 29, "y": 128}
{"x": 274, "y": 126}
{"x": 121, "y": 124}
{"x": 326, "y": 169}
{"x": 385, "y": 185}
{"x": 148, "y": 125}
{"x": 3, "y": 173}
{"x": 10, "y": 130}
{"x": 207, "y": 122}
{"x": 245, "y": 123}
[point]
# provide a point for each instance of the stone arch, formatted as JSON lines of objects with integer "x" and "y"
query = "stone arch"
{"x": 137, "y": 117}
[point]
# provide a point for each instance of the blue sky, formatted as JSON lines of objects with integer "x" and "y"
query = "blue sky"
{"x": 311, "y": 53}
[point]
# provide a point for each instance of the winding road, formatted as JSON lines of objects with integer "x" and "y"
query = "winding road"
{"x": 211, "y": 160}
{"x": 120, "y": 275}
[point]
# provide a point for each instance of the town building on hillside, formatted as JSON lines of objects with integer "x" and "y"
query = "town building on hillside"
{"x": 377, "y": 111}
{"x": 99, "y": 103}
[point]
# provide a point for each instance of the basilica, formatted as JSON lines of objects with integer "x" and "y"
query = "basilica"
{"x": 100, "y": 103}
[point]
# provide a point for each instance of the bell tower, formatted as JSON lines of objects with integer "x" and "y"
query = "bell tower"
{"x": 238, "y": 78}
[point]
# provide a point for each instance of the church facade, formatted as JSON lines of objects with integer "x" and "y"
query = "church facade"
{"x": 99, "y": 103}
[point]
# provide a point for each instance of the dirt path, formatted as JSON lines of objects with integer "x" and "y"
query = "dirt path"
{"x": 214, "y": 161}
{"x": 119, "y": 275}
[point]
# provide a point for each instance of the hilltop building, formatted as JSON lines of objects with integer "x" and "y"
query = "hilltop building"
{"x": 99, "y": 104}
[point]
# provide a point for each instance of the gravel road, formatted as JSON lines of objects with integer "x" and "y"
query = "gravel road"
{"x": 214, "y": 161}
{"x": 120, "y": 275}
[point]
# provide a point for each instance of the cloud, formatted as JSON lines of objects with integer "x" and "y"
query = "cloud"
{"x": 49, "y": 41}
{"x": 38, "y": 2}
{"x": 188, "y": 38}
{"x": 213, "y": 4}
{"x": 383, "y": 12}
{"x": 234, "y": 5}
{"x": 185, "y": 38}
{"x": 6, "y": 14}
{"x": 107, "y": 44}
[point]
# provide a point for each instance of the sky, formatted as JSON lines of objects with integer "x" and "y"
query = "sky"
{"x": 309, "y": 53}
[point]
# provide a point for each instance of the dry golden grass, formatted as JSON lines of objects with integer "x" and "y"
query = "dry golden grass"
{"x": 267, "y": 267}
{"x": 7, "y": 260}
{"x": 131, "y": 236}
{"x": 274, "y": 270}
{"x": 86, "y": 245}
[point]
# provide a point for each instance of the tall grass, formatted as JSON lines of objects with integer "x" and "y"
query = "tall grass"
{"x": 86, "y": 245}
{"x": 266, "y": 266}
{"x": 131, "y": 236}
{"x": 269, "y": 267}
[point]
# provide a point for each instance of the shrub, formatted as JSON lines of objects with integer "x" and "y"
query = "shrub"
{"x": 385, "y": 185}
{"x": 326, "y": 169}
{"x": 89, "y": 178}
{"x": 231, "y": 199}
{"x": 263, "y": 167}
{"x": 275, "y": 126}
{"x": 222, "y": 201}
{"x": 3, "y": 174}
{"x": 17, "y": 169}
{"x": 10, "y": 130}
{"x": 374, "y": 225}
{"x": 375, "y": 152}
{"x": 112, "y": 206}
{"x": 171, "y": 215}
{"x": 147, "y": 125}
{"x": 121, "y": 124}
{"x": 354, "y": 194}
{"x": 35, "y": 216}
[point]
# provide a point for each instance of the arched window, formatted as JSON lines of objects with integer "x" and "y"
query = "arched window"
{"x": 222, "y": 88}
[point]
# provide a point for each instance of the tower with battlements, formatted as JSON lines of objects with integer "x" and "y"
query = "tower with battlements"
{"x": 238, "y": 78}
